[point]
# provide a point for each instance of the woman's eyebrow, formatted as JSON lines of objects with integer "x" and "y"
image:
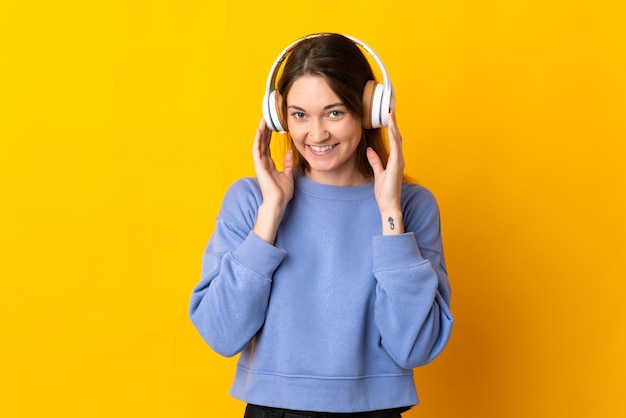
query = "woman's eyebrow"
{"x": 330, "y": 106}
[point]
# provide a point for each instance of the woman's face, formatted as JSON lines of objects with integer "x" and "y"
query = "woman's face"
{"x": 324, "y": 132}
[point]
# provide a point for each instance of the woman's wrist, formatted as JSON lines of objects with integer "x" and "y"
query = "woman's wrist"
{"x": 267, "y": 222}
{"x": 392, "y": 222}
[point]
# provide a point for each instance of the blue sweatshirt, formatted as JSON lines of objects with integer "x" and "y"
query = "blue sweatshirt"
{"x": 334, "y": 316}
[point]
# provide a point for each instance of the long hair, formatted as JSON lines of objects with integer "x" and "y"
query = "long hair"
{"x": 341, "y": 63}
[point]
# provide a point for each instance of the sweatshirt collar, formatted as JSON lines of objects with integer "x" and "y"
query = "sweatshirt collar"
{"x": 308, "y": 186}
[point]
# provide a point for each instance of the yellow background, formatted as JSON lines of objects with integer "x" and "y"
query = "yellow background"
{"x": 123, "y": 122}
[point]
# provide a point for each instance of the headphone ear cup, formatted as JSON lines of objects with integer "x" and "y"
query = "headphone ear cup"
{"x": 266, "y": 110}
{"x": 387, "y": 102}
{"x": 368, "y": 103}
{"x": 373, "y": 103}
{"x": 377, "y": 106}
{"x": 274, "y": 103}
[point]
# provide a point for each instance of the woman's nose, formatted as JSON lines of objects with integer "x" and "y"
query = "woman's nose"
{"x": 318, "y": 132}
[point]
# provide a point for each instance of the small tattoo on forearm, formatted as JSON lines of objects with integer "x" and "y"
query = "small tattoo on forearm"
{"x": 391, "y": 224}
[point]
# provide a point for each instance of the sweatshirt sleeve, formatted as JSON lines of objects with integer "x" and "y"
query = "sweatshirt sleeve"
{"x": 413, "y": 292}
{"x": 228, "y": 305}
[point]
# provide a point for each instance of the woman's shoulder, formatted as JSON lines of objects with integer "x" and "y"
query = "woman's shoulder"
{"x": 244, "y": 186}
{"x": 418, "y": 192}
{"x": 419, "y": 203}
{"x": 242, "y": 197}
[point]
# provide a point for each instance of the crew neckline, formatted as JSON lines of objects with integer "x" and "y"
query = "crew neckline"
{"x": 306, "y": 185}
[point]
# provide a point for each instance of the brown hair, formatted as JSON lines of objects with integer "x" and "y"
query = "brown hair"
{"x": 346, "y": 70}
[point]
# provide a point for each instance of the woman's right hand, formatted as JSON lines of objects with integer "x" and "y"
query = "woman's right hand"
{"x": 276, "y": 186}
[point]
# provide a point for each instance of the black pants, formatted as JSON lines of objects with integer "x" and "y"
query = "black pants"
{"x": 255, "y": 411}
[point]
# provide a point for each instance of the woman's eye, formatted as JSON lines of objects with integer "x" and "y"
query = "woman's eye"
{"x": 335, "y": 114}
{"x": 298, "y": 115}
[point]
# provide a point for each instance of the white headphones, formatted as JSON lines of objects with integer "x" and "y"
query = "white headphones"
{"x": 377, "y": 98}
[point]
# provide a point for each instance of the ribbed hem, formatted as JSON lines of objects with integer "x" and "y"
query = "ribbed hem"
{"x": 351, "y": 394}
{"x": 394, "y": 252}
{"x": 260, "y": 256}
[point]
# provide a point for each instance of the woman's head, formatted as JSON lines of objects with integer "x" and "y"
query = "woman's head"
{"x": 340, "y": 63}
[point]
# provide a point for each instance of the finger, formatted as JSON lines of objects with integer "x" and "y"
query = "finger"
{"x": 288, "y": 163}
{"x": 395, "y": 140}
{"x": 374, "y": 160}
{"x": 392, "y": 130}
{"x": 261, "y": 140}
{"x": 255, "y": 143}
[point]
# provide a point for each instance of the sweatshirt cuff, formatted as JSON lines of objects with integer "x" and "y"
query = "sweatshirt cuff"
{"x": 259, "y": 256}
{"x": 396, "y": 252}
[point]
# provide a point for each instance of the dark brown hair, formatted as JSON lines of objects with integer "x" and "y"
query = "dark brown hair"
{"x": 341, "y": 63}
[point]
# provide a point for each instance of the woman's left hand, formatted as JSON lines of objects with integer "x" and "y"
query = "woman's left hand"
{"x": 388, "y": 181}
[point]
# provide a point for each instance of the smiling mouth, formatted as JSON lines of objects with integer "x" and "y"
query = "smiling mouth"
{"x": 321, "y": 149}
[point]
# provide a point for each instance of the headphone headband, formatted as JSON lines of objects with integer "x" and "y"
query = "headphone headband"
{"x": 382, "y": 100}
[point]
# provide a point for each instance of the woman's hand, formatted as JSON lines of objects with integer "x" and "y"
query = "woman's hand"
{"x": 276, "y": 186}
{"x": 388, "y": 181}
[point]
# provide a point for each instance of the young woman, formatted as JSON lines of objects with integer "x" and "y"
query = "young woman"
{"x": 328, "y": 277}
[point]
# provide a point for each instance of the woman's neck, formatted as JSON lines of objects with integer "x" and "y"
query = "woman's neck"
{"x": 350, "y": 180}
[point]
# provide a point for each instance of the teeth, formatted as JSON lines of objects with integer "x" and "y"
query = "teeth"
{"x": 321, "y": 149}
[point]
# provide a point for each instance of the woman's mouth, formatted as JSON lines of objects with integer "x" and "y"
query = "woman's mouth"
{"x": 319, "y": 149}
